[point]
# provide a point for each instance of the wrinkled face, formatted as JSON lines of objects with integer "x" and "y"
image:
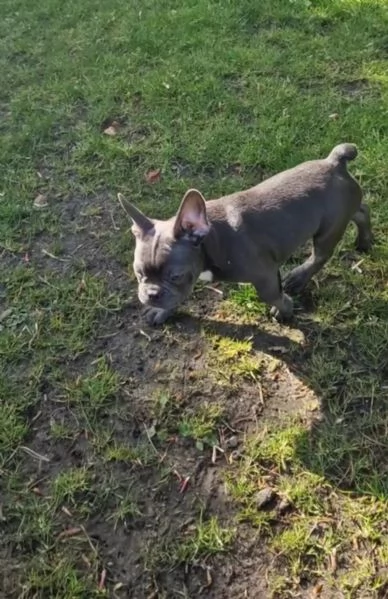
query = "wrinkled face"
{"x": 168, "y": 255}
{"x": 166, "y": 268}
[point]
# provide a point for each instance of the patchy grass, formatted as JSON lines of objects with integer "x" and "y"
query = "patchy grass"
{"x": 116, "y": 442}
{"x": 314, "y": 529}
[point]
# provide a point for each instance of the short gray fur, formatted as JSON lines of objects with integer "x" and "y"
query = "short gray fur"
{"x": 246, "y": 236}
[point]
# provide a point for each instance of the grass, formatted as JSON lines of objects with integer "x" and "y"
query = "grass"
{"x": 100, "y": 419}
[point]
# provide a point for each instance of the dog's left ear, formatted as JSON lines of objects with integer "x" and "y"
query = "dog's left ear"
{"x": 191, "y": 219}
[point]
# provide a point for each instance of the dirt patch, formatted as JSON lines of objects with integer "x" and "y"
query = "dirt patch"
{"x": 132, "y": 441}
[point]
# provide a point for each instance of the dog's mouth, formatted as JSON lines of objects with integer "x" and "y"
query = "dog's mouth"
{"x": 162, "y": 298}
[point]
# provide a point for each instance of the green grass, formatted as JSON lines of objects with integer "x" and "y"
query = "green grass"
{"x": 98, "y": 415}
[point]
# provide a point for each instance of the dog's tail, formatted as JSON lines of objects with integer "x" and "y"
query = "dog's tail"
{"x": 342, "y": 153}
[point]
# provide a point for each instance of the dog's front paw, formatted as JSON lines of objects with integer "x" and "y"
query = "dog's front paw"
{"x": 283, "y": 310}
{"x": 156, "y": 316}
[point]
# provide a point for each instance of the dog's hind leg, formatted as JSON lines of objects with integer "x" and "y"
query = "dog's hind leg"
{"x": 323, "y": 248}
{"x": 364, "y": 229}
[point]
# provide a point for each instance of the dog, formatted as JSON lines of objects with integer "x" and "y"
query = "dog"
{"x": 246, "y": 236}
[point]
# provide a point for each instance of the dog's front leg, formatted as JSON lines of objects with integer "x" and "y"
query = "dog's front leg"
{"x": 156, "y": 316}
{"x": 269, "y": 288}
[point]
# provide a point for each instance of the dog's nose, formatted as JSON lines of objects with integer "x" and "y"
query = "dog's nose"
{"x": 153, "y": 294}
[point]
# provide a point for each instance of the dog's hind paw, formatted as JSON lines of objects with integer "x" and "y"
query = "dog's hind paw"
{"x": 294, "y": 283}
{"x": 364, "y": 244}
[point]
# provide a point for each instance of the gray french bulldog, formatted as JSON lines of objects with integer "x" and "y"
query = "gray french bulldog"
{"x": 245, "y": 237}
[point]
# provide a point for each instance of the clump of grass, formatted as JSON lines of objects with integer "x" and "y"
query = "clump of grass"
{"x": 127, "y": 509}
{"x": 96, "y": 390}
{"x": 234, "y": 359}
{"x": 243, "y": 302}
{"x": 58, "y": 578}
{"x": 70, "y": 484}
{"x": 201, "y": 424}
{"x": 204, "y": 538}
{"x": 139, "y": 455}
{"x": 310, "y": 535}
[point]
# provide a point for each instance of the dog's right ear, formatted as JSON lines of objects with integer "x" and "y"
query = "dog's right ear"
{"x": 141, "y": 223}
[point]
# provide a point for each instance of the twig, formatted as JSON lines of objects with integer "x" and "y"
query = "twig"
{"x": 34, "y": 454}
{"x": 70, "y": 532}
{"x": 356, "y": 266}
{"x": 101, "y": 584}
{"x": 50, "y": 255}
{"x": 145, "y": 334}
{"x": 219, "y": 291}
{"x": 116, "y": 228}
{"x": 89, "y": 540}
{"x": 261, "y": 396}
{"x": 150, "y": 440}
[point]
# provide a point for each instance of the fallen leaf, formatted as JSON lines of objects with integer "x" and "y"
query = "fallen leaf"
{"x": 334, "y": 116}
{"x": 317, "y": 590}
{"x": 69, "y": 532}
{"x": 184, "y": 484}
{"x": 110, "y": 131}
{"x": 40, "y": 201}
{"x": 113, "y": 129}
{"x": 264, "y": 497}
{"x": 153, "y": 176}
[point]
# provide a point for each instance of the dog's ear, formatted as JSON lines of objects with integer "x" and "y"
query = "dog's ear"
{"x": 191, "y": 219}
{"x": 142, "y": 225}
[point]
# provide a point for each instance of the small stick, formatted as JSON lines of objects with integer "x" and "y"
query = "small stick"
{"x": 101, "y": 584}
{"x": 150, "y": 440}
{"x": 34, "y": 454}
{"x": 50, "y": 255}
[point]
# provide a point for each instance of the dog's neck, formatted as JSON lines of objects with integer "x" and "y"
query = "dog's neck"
{"x": 211, "y": 252}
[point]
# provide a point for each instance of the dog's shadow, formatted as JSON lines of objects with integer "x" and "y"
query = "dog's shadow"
{"x": 346, "y": 443}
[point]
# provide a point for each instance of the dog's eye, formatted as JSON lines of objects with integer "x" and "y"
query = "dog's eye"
{"x": 176, "y": 278}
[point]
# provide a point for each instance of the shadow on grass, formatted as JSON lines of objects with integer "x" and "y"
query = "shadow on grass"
{"x": 346, "y": 366}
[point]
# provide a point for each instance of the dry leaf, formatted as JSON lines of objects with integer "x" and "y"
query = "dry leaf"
{"x": 113, "y": 129}
{"x": 153, "y": 176}
{"x": 40, "y": 201}
{"x": 317, "y": 590}
{"x": 334, "y": 116}
{"x": 110, "y": 131}
{"x": 70, "y": 532}
{"x": 333, "y": 564}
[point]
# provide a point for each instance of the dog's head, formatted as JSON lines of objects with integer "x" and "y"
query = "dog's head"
{"x": 168, "y": 257}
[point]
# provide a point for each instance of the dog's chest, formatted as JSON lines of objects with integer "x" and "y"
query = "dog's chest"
{"x": 206, "y": 276}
